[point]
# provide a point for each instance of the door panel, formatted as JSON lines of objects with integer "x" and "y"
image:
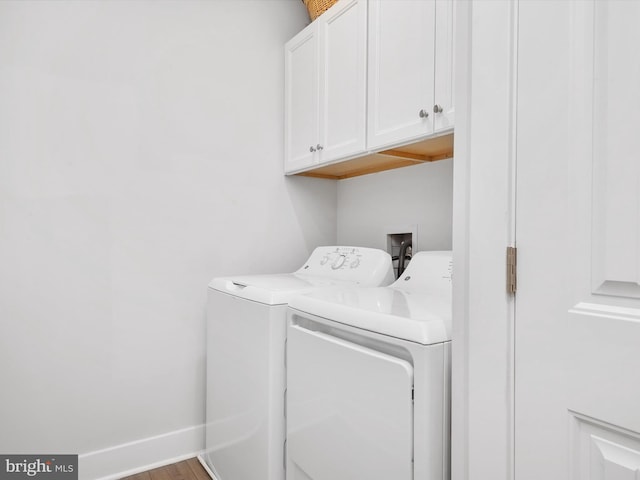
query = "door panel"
{"x": 603, "y": 452}
{"x": 604, "y": 363}
{"x": 577, "y": 330}
{"x": 604, "y": 322}
{"x": 616, "y": 143}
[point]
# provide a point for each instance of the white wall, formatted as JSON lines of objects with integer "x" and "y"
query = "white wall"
{"x": 419, "y": 195}
{"x": 140, "y": 155}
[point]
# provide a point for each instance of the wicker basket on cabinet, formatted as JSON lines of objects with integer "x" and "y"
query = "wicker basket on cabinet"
{"x": 317, "y": 7}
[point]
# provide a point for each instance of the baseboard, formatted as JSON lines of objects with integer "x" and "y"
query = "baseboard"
{"x": 206, "y": 467}
{"x": 135, "y": 457}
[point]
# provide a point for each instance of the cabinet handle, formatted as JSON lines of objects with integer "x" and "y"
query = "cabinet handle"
{"x": 319, "y": 147}
{"x": 423, "y": 113}
{"x": 311, "y": 149}
{"x": 437, "y": 108}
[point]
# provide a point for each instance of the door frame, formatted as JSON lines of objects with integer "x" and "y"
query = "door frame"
{"x": 483, "y": 226}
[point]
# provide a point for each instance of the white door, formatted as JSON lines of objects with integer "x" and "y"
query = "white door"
{"x": 301, "y": 99}
{"x": 343, "y": 33}
{"x": 401, "y": 68}
{"x": 577, "y": 327}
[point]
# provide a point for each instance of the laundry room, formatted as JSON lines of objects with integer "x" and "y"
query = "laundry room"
{"x": 141, "y": 157}
{"x": 233, "y": 245}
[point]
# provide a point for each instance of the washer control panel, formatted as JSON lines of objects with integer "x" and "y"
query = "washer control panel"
{"x": 342, "y": 257}
{"x": 357, "y": 264}
{"x": 338, "y": 262}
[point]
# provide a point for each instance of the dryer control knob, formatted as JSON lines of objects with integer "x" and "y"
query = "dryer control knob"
{"x": 324, "y": 260}
{"x": 355, "y": 263}
{"x": 338, "y": 262}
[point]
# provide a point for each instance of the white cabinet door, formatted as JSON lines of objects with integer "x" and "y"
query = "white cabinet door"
{"x": 349, "y": 410}
{"x": 343, "y": 33}
{"x": 325, "y": 88}
{"x": 444, "y": 100}
{"x": 401, "y": 71}
{"x": 301, "y": 99}
{"x": 578, "y": 221}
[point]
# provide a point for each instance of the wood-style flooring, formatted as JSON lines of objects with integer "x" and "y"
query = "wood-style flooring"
{"x": 187, "y": 470}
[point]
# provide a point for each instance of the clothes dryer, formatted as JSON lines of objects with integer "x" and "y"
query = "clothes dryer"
{"x": 368, "y": 378}
{"x": 246, "y": 333}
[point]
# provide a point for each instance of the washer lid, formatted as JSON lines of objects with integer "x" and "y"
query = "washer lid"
{"x": 417, "y": 307}
{"x": 326, "y": 267}
{"x": 272, "y": 289}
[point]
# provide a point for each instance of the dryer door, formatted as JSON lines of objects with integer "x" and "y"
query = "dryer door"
{"x": 349, "y": 410}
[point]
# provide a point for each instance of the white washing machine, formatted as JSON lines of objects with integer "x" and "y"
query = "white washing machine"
{"x": 368, "y": 379}
{"x": 246, "y": 332}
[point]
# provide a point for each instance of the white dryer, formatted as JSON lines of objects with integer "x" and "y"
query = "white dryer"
{"x": 368, "y": 379}
{"x": 246, "y": 332}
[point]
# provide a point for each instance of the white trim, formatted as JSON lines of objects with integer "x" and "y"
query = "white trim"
{"x": 203, "y": 462}
{"x": 484, "y": 213}
{"x": 614, "y": 312}
{"x": 140, "y": 455}
{"x": 459, "y": 345}
{"x": 512, "y": 206}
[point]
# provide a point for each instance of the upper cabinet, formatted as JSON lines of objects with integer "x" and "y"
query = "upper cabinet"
{"x": 369, "y": 83}
{"x": 302, "y": 99}
{"x": 410, "y": 70}
{"x": 325, "y": 88}
{"x": 401, "y": 66}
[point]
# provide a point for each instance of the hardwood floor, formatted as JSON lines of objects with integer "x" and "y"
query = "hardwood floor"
{"x": 186, "y": 470}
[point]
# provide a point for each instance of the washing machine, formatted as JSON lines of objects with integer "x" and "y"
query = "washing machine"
{"x": 368, "y": 379}
{"x": 246, "y": 333}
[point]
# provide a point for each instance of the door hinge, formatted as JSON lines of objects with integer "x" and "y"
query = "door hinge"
{"x": 512, "y": 272}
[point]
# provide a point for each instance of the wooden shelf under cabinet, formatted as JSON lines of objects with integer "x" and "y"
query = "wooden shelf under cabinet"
{"x": 428, "y": 150}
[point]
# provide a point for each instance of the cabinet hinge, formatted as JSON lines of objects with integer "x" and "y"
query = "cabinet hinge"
{"x": 512, "y": 272}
